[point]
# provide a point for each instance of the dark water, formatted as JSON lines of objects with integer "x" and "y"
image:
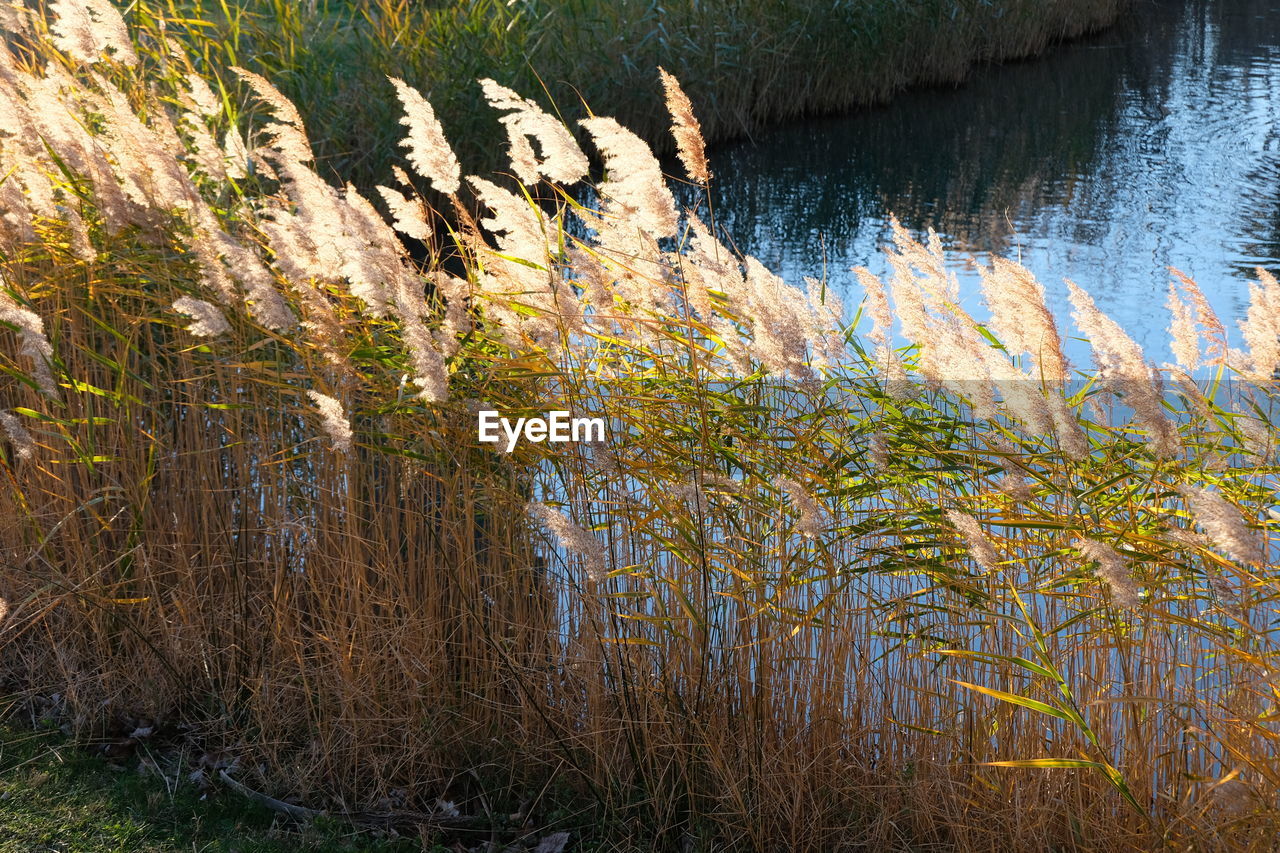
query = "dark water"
{"x": 1155, "y": 144}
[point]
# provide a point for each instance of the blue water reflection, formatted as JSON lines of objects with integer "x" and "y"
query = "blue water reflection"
{"x": 1155, "y": 144}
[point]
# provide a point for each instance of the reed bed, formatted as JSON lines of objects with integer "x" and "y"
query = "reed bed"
{"x": 896, "y": 580}
{"x": 747, "y": 65}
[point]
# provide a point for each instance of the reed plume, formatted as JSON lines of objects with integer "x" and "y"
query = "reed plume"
{"x": 34, "y": 344}
{"x": 209, "y": 321}
{"x": 1223, "y": 524}
{"x": 887, "y": 358}
{"x": 91, "y": 30}
{"x": 1261, "y": 328}
{"x": 979, "y": 545}
{"x": 1182, "y": 331}
{"x": 1021, "y": 319}
{"x": 24, "y": 446}
{"x": 334, "y": 420}
{"x": 1189, "y": 317}
{"x": 634, "y": 190}
{"x": 812, "y": 519}
{"x": 686, "y": 130}
{"x": 573, "y": 538}
{"x": 1124, "y": 369}
{"x": 409, "y": 215}
{"x": 1112, "y": 569}
{"x": 287, "y": 133}
{"x": 562, "y": 160}
{"x": 429, "y": 151}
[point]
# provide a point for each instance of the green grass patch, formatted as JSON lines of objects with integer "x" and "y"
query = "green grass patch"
{"x": 59, "y": 796}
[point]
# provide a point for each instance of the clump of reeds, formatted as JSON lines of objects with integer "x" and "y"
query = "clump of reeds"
{"x": 746, "y": 65}
{"x": 805, "y": 594}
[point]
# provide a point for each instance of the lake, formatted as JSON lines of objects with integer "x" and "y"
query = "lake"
{"x": 1106, "y": 161}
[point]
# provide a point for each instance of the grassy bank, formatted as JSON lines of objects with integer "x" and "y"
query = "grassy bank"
{"x": 813, "y": 591}
{"x": 59, "y": 795}
{"x": 746, "y": 64}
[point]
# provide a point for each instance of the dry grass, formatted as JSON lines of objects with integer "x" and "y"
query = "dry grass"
{"x": 805, "y": 597}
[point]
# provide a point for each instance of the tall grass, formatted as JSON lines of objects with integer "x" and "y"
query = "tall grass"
{"x": 747, "y": 65}
{"x": 816, "y": 590}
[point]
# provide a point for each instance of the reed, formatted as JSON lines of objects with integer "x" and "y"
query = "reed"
{"x": 747, "y": 65}
{"x": 814, "y": 591}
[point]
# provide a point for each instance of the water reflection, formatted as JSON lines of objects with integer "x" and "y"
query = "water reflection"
{"x": 1156, "y": 144}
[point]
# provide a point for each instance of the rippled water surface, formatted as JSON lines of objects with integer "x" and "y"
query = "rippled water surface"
{"x": 1155, "y": 144}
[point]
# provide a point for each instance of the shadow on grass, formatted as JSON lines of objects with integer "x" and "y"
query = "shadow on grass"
{"x": 58, "y": 796}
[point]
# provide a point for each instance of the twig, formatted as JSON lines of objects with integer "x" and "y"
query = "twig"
{"x": 298, "y": 813}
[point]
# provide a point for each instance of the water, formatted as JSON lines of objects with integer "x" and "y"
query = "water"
{"x": 1152, "y": 145}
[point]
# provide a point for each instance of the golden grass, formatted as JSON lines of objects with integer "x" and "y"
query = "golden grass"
{"x": 935, "y": 596}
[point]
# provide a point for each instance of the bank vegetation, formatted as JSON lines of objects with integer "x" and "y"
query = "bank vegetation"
{"x": 835, "y": 580}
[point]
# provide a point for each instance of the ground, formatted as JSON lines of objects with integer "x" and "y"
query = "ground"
{"x": 57, "y": 796}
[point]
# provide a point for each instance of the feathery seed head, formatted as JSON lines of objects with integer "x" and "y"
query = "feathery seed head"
{"x": 1215, "y": 333}
{"x": 877, "y": 307}
{"x": 980, "y": 547}
{"x": 1185, "y": 341}
{"x": 35, "y": 345}
{"x": 1223, "y": 524}
{"x": 878, "y": 452}
{"x": 200, "y": 96}
{"x": 14, "y": 17}
{"x": 410, "y": 215}
{"x": 562, "y": 160}
{"x": 334, "y": 420}
{"x": 887, "y": 359}
{"x": 1258, "y": 437}
{"x": 1123, "y": 368}
{"x": 24, "y": 446}
{"x": 429, "y": 151}
{"x": 429, "y": 369}
{"x": 521, "y": 272}
{"x": 1021, "y": 319}
{"x": 288, "y": 134}
{"x": 634, "y": 189}
{"x": 692, "y": 495}
{"x": 236, "y": 159}
{"x": 813, "y": 519}
{"x": 1114, "y": 352}
{"x": 1016, "y": 487}
{"x": 686, "y": 130}
{"x": 88, "y": 30}
{"x": 573, "y": 538}
{"x": 1113, "y": 569}
{"x": 209, "y": 321}
{"x": 1261, "y": 328}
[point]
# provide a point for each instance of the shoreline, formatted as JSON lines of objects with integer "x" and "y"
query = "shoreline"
{"x": 744, "y": 69}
